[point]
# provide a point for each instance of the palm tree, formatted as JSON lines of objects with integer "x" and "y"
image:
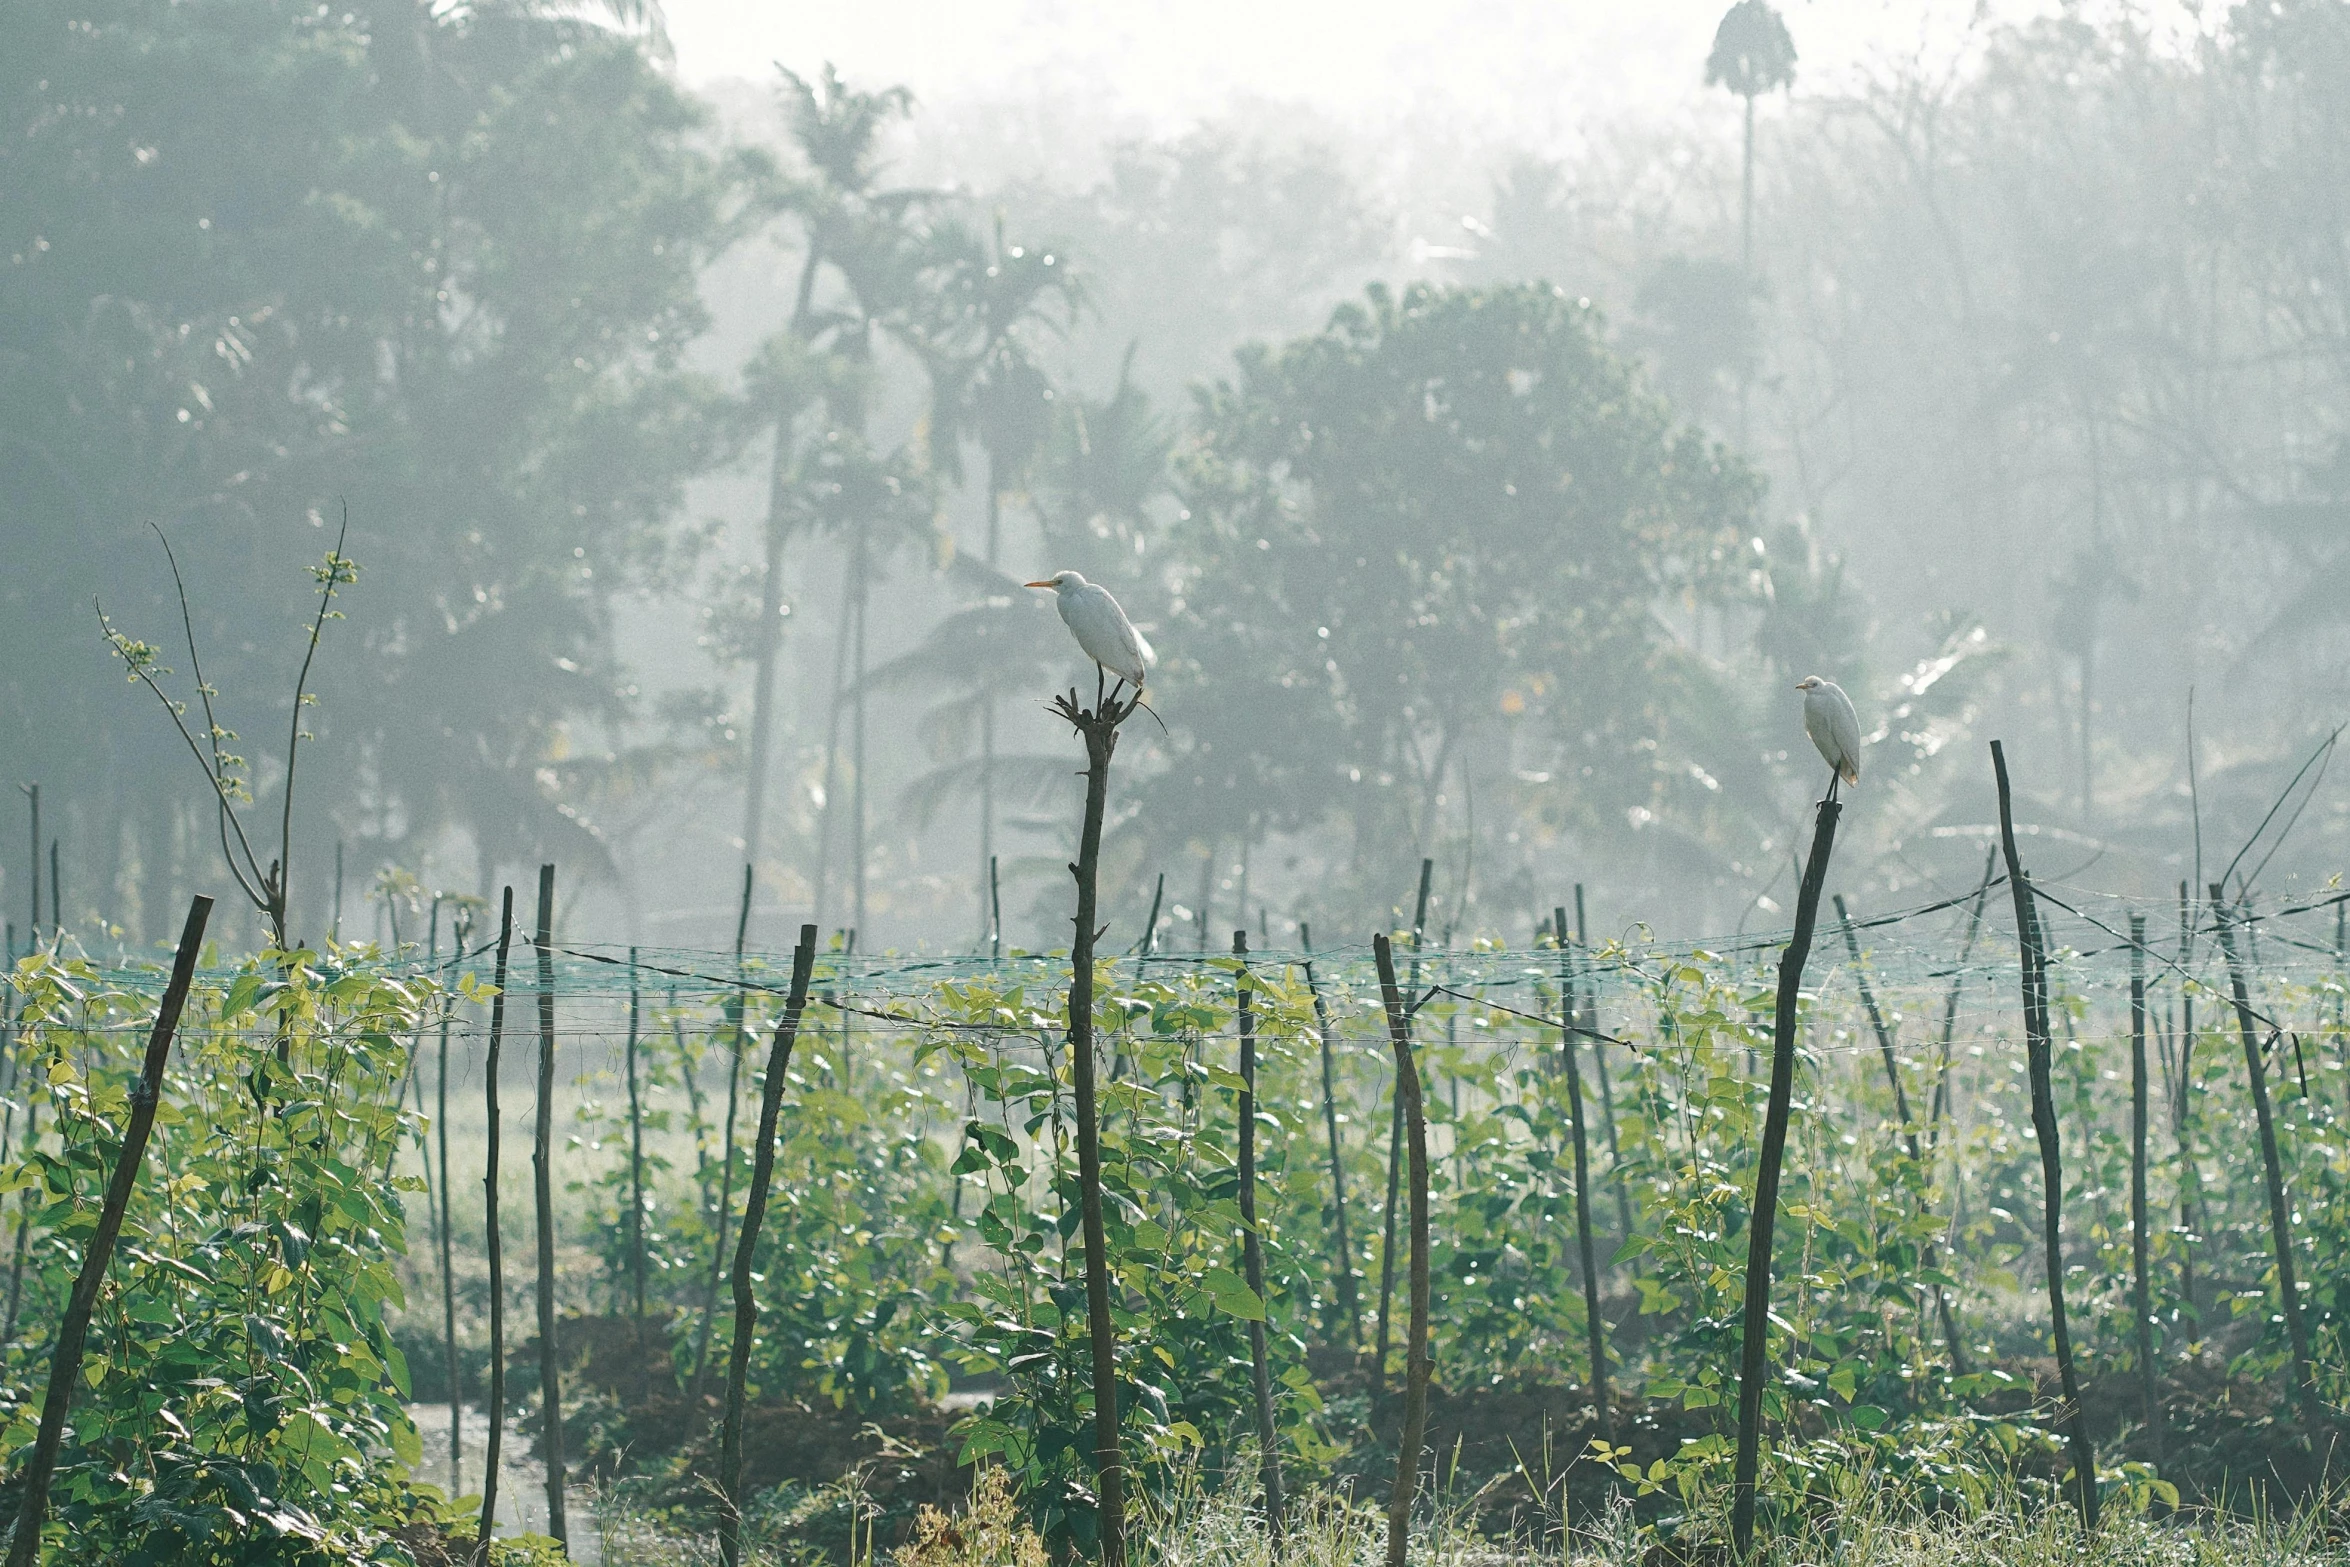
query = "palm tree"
{"x": 993, "y": 298}
{"x": 1101, "y": 465}
{"x": 1752, "y": 55}
{"x": 846, "y": 220}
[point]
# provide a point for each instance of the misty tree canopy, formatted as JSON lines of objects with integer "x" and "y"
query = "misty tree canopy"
{"x": 262, "y": 260}
{"x": 1427, "y": 543}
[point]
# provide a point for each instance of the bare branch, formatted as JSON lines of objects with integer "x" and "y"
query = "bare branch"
{"x": 337, "y": 571}
{"x": 213, "y": 733}
{"x": 139, "y": 658}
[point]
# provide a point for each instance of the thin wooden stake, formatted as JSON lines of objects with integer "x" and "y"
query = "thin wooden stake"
{"x": 2280, "y": 1219}
{"x": 2183, "y": 1112}
{"x": 1568, "y": 1027}
{"x": 2038, "y": 1049}
{"x": 1763, "y": 1220}
{"x": 542, "y": 1162}
{"x": 456, "y": 1369}
{"x": 65, "y": 1361}
{"x": 496, "y": 1246}
{"x": 1252, "y": 1251}
{"x": 746, "y": 1304}
{"x": 2141, "y": 1290}
{"x": 636, "y": 1160}
{"x": 1418, "y": 1367}
{"x": 1350, "y": 1304}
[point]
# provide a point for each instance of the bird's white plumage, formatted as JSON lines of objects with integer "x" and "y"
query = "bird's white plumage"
{"x": 1100, "y": 626}
{"x": 1833, "y": 726}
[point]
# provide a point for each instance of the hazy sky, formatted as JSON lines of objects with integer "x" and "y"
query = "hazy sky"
{"x": 1533, "y": 69}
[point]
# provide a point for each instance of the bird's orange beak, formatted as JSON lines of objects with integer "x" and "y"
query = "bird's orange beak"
{"x": 1036, "y": 584}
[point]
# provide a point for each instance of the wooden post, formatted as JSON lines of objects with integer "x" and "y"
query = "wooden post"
{"x": 496, "y": 1247}
{"x": 1252, "y": 1250}
{"x": 746, "y": 1304}
{"x": 1098, "y": 728}
{"x": 2038, "y": 1049}
{"x": 1568, "y": 1027}
{"x": 542, "y": 1161}
{"x": 1417, "y": 1366}
{"x": 1761, "y": 1223}
{"x": 1350, "y": 1304}
{"x": 65, "y": 1360}
{"x": 2141, "y": 1291}
{"x": 2280, "y": 1223}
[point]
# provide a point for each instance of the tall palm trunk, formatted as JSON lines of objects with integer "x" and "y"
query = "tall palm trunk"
{"x": 825, "y": 831}
{"x": 769, "y": 645}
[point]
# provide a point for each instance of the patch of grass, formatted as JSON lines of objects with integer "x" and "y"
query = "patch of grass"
{"x": 1204, "y": 1526}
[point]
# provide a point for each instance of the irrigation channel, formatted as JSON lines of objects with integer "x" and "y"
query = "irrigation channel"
{"x": 917, "y": 1275}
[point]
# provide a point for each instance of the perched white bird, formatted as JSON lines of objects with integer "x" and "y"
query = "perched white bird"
{"x": 1101, "y": 627}
{"x": 1833, "y": 726}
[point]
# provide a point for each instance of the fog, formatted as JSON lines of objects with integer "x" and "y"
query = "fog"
{"x": 1483, "y": 472}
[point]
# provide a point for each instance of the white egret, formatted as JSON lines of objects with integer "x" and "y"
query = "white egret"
{"x": 1101, "y": 627}
{"x": 1833, "y": 726}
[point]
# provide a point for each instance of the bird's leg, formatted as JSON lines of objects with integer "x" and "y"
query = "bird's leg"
{"x": 1834, "y": 778}
{"x": 1100, "y": 675}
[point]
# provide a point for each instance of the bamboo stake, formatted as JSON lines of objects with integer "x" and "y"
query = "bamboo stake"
{"x": 1098, "y": 728}
{"x": 1395, "y": 1157}
{"x": 496, "y": 1246}
{"x": 1762, "y": 1221}
{"x": 1417, "y": 1365}
{"x": 2038, "y": 1049}
{"x": 1598, "y": 1324}
{"x": 65, "y": 1361}
{"x": 542, "y": 1160}
{"x": 746, "y": 1304}
{"x": 2141, "y": 1292}
{"x": 1252, "y": 1252}
{"x": 1350, "y": 1304}
{"x": 2280, "y": 1223}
